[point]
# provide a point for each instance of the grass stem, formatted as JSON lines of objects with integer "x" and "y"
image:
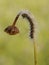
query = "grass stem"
{"x": 35, "y": 53}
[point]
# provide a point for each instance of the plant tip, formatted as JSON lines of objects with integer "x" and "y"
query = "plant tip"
{"x": 11, "y": 30}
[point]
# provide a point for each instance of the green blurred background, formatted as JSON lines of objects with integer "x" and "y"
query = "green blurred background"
{"x": 18, "y": 49}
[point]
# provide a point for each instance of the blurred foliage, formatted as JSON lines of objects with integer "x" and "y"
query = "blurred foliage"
{"x": 18, "y": 49}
